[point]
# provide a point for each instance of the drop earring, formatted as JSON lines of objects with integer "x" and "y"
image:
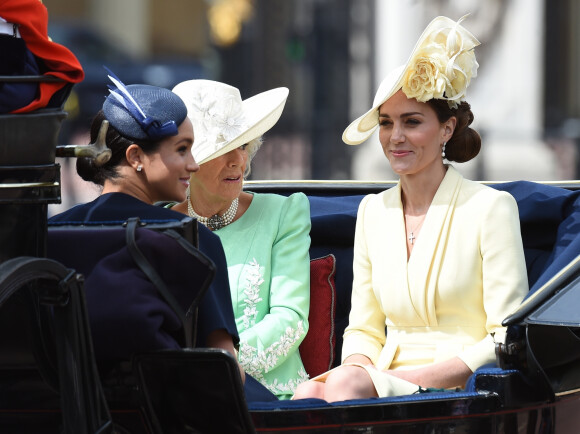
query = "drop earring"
{"x": 443, "y": 150}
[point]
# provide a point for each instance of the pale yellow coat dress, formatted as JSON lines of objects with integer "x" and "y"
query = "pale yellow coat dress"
{"x": 466, "y": 273}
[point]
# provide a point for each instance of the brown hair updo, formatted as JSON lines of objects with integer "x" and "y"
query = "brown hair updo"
{"x": 465, "y": 143}
{"x": 118, "y": 144}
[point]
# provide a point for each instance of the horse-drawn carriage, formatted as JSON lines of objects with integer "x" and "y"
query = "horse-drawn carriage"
{"x": 50, "y": 381}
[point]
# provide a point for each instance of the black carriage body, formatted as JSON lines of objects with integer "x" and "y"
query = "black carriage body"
{"x": 475, "y": 415}
{"x": 29, "y": 180}
{"x": 48, "y": 379}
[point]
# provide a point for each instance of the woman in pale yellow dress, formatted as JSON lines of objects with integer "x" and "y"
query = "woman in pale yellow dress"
{"x": 438, "y": 259}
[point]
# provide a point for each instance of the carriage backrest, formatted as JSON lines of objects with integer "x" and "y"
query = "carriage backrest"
{"x": 141, "y": 295}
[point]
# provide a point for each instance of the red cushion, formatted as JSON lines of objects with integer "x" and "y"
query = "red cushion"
{"x": 317, "y": 349}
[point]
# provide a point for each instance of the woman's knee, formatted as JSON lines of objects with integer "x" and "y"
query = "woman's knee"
{"x": 309, "y": 389}
{"x": 349, "y": 382}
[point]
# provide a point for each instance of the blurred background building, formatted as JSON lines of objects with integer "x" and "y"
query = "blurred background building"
{"x": 332, "y": 54}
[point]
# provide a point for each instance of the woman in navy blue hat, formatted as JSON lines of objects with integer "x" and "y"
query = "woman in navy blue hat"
{"x": 150, "y": 138}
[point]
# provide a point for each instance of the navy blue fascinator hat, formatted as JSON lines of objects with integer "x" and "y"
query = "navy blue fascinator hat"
{"x": 143, "y": 112}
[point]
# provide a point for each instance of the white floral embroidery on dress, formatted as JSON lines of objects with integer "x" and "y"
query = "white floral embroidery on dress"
{"x": 257, "y": 363}
{"x": 252, "y": 293}
{"x": 286, "y": 388}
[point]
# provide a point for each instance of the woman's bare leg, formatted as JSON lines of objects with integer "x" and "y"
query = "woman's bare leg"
{"x": 345, "y": 382}
{"x": 309, "y": 389}
{"x": 349, "y": 382}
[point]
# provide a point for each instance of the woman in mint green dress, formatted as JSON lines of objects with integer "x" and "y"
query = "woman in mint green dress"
{"x": 265, "y": 236}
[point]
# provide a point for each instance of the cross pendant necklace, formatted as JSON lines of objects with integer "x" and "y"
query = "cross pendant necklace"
{"x": 412, "y": 236}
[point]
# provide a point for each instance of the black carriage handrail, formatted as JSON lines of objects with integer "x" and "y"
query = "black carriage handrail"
{"x": 564, "y": 277}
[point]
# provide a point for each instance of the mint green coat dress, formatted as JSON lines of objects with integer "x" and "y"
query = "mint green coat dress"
{"x": 269, "y": 272}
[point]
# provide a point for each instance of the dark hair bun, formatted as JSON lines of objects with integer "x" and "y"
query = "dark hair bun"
{"x": 86, "y": 167}
{"x": 89, "y": 171}
{"x": 466, "y": 142}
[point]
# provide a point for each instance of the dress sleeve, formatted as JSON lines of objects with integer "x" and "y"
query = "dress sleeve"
{"x": 505, "y": 282}
{"x": 365, "y": 333}
{"x": 279, "y": 334}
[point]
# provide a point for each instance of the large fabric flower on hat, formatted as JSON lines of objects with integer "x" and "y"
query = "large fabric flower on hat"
{"x": 229, "y": 117}
{"x": 222, "y": 117}
{"x": 442, "y": 66}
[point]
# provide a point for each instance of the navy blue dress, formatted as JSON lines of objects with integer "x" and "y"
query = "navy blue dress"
{"x": 215, "y": 311}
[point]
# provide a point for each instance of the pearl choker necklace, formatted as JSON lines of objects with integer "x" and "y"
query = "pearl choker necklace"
{"x": 216, "y": 221}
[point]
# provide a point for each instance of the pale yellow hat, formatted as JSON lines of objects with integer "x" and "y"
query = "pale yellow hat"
{"x": 441, "y": 66}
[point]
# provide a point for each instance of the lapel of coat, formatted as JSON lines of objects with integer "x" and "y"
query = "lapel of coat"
{"x": 425, "y": 262}
{"x": 399, "y": 301}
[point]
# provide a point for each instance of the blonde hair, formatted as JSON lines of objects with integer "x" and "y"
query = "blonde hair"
{"x": 252, "y": 148}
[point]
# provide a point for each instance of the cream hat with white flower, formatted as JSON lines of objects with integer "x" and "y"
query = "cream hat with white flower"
{"x": 222, "y": 121}
{"x": 440, "y": 67}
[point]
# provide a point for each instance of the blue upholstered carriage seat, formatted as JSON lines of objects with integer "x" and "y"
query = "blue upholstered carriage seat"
{"x": 550, "y": 223}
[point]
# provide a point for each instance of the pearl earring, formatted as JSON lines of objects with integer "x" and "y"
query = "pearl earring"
{"x": 139, "y": 168}
{"x": 443, "y": 150}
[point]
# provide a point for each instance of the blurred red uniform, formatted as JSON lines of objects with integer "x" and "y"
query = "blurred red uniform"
{"x": 30, "y": 18}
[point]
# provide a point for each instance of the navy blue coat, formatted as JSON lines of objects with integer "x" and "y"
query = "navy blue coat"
{"x": 113, "y": 340}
